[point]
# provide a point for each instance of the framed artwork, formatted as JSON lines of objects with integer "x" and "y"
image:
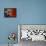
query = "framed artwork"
{"x": 9, "y": 12}
{"x": 32, "y": 32}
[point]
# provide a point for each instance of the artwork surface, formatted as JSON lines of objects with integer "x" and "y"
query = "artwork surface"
{"x": 9, "y": 12}
{"x": 33, "y": 32}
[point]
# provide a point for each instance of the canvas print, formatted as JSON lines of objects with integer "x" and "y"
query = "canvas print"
{"x": 33, "y": 32}
{"x": 9, "y": 12}
{"x": 12, "y": 38}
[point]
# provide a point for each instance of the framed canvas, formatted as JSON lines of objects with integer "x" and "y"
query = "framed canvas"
{"x": 10, "y": 12}
{"x": 32, "y": 32}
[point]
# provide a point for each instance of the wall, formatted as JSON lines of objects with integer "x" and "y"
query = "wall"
{"x": 8, "y": 25}
{"x": 28, "y": 12}
{"x": 34, "y": 12}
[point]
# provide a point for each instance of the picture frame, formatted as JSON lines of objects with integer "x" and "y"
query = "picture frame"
{"x": 10, "y": 12}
